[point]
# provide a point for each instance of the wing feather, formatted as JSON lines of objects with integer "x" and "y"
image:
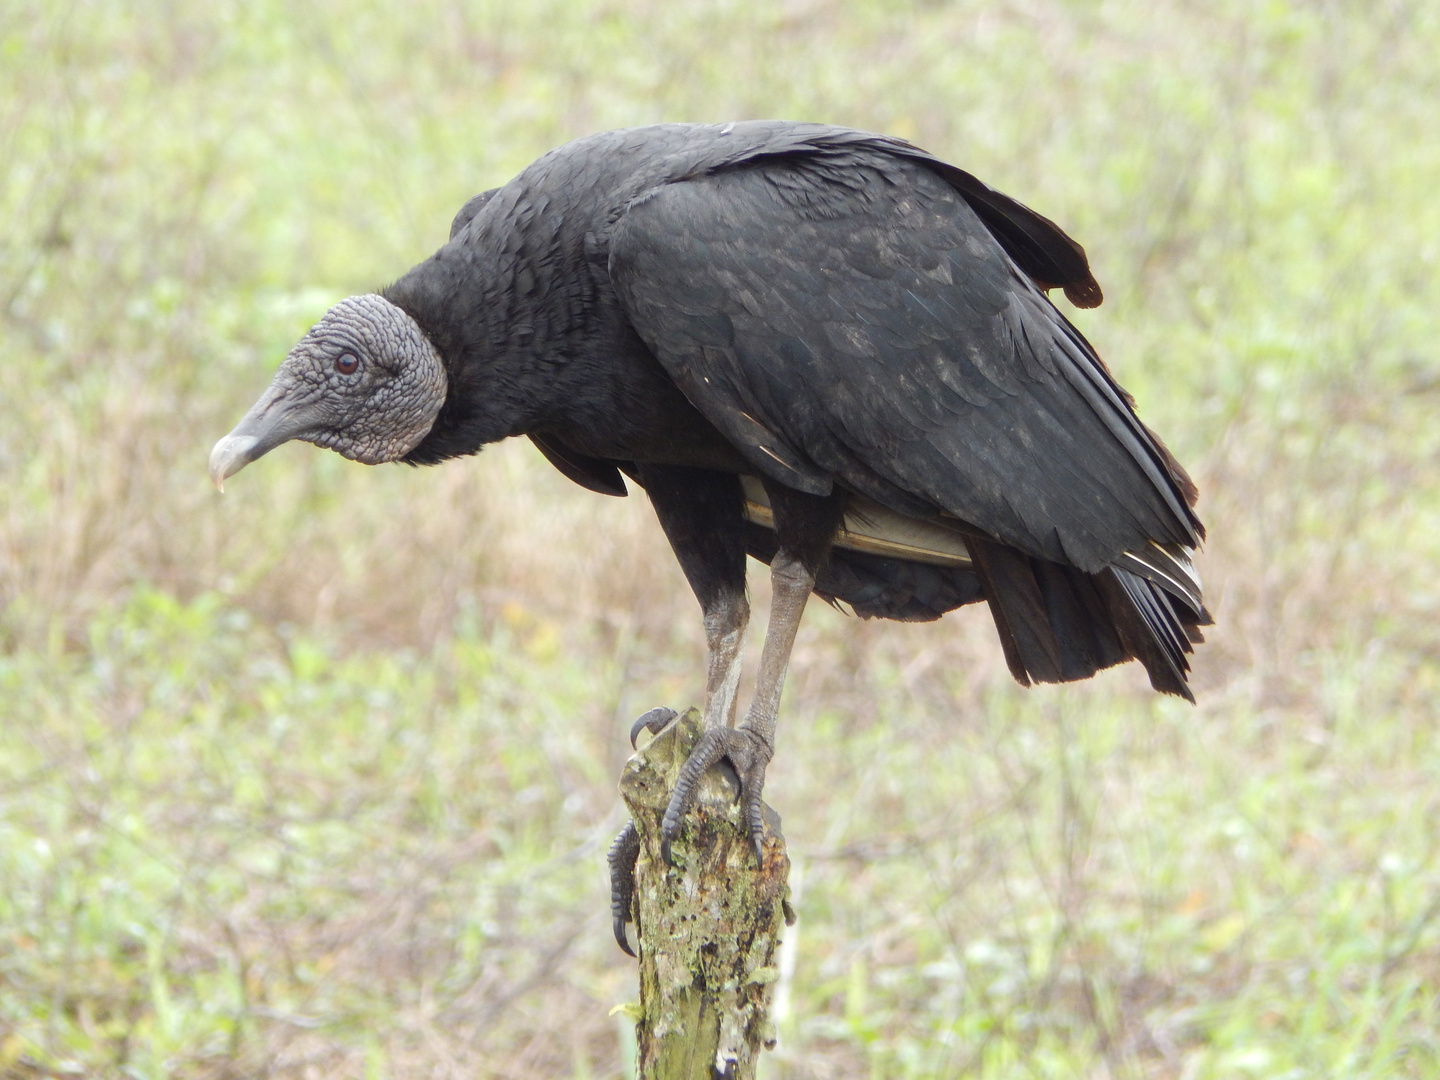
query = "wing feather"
{"x": 876, "y": 333}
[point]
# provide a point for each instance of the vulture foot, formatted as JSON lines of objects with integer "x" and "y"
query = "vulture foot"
{"x": 623, "y": 853}
{"x": 746, "y": 750}
{"x": 626, "y": 848}
{"x": 749, "y": 753}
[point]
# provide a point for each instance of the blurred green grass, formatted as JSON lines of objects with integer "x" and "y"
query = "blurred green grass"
{"x": 316, "y": 779}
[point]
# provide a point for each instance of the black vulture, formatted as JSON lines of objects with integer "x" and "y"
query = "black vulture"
{"x": 821, "y": 347}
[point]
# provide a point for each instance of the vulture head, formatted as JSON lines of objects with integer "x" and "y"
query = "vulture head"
{"x": 365, "y": 382}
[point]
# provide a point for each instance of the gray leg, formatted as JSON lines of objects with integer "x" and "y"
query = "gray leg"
{"x": 790, "y": 583}
{"x": 725, "y": 626}
{"x": 749, "y": 746}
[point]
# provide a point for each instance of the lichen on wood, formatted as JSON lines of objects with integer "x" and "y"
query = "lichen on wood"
{"x": 707, "y": 927}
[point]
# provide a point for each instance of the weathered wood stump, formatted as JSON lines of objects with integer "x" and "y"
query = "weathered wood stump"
{"x": 708, "y": 927}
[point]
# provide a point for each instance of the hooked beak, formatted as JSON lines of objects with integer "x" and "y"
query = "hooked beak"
{"x": 271, "y": 421}
{"x": 231, "y": 454}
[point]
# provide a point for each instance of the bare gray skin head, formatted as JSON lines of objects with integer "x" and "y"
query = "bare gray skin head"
{"x": 365, "y": 382}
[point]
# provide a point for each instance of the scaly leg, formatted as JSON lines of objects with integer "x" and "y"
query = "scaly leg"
{"x": 725, "y": 622}
{"x": 702, "y": 513}
{"x": 805, "y": 526}
{"x": 750, "y": 746}
{"x": 725, "y": 626}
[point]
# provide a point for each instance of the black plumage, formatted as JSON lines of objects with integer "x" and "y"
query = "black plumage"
{"x": 830, "y": 310}
{"x": 821, "y": 347}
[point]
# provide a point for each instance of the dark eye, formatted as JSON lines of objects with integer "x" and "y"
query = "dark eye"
{"x": 346, "y": 363}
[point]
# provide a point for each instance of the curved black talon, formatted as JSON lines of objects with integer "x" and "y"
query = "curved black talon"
{"x": 655, "y": 720}
{"x": 623, "y": 853}
{"x": 749, "y": 754}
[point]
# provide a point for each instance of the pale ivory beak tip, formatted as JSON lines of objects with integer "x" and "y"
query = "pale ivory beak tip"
{"x": 231, "y": 454}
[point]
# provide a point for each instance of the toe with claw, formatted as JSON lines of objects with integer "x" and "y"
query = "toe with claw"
{"x": 653, "y": 721}
{"x": 623, "y": 854}
{"x": 749, "y": 753}
{"x": 626, "y": 848}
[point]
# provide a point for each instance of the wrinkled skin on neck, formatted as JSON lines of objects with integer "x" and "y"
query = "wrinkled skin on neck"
{"x": 365, "y": 382}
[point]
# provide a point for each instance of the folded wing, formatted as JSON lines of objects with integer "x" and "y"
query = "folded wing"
{"x": 856, "y": 322}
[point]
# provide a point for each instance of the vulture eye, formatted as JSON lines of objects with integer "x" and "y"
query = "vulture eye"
{"x": 346, "y": 363}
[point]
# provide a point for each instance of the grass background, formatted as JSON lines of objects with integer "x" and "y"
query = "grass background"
{"x": 315, "y": 780}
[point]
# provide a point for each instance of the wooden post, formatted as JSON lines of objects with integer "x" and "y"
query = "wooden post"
{"x": 709, "y": 926}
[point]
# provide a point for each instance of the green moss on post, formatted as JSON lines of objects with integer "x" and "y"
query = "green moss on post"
{"x": 707, "y": 928}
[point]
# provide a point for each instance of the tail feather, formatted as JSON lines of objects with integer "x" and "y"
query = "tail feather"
{"x": 1168, "y": 566}
{"x": 1152, "y": 631}
{"x": 1058, "y": 623}
{"x": 1053, "y": 620}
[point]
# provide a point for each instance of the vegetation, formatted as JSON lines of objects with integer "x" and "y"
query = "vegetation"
{"x": 316, "y": 779}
